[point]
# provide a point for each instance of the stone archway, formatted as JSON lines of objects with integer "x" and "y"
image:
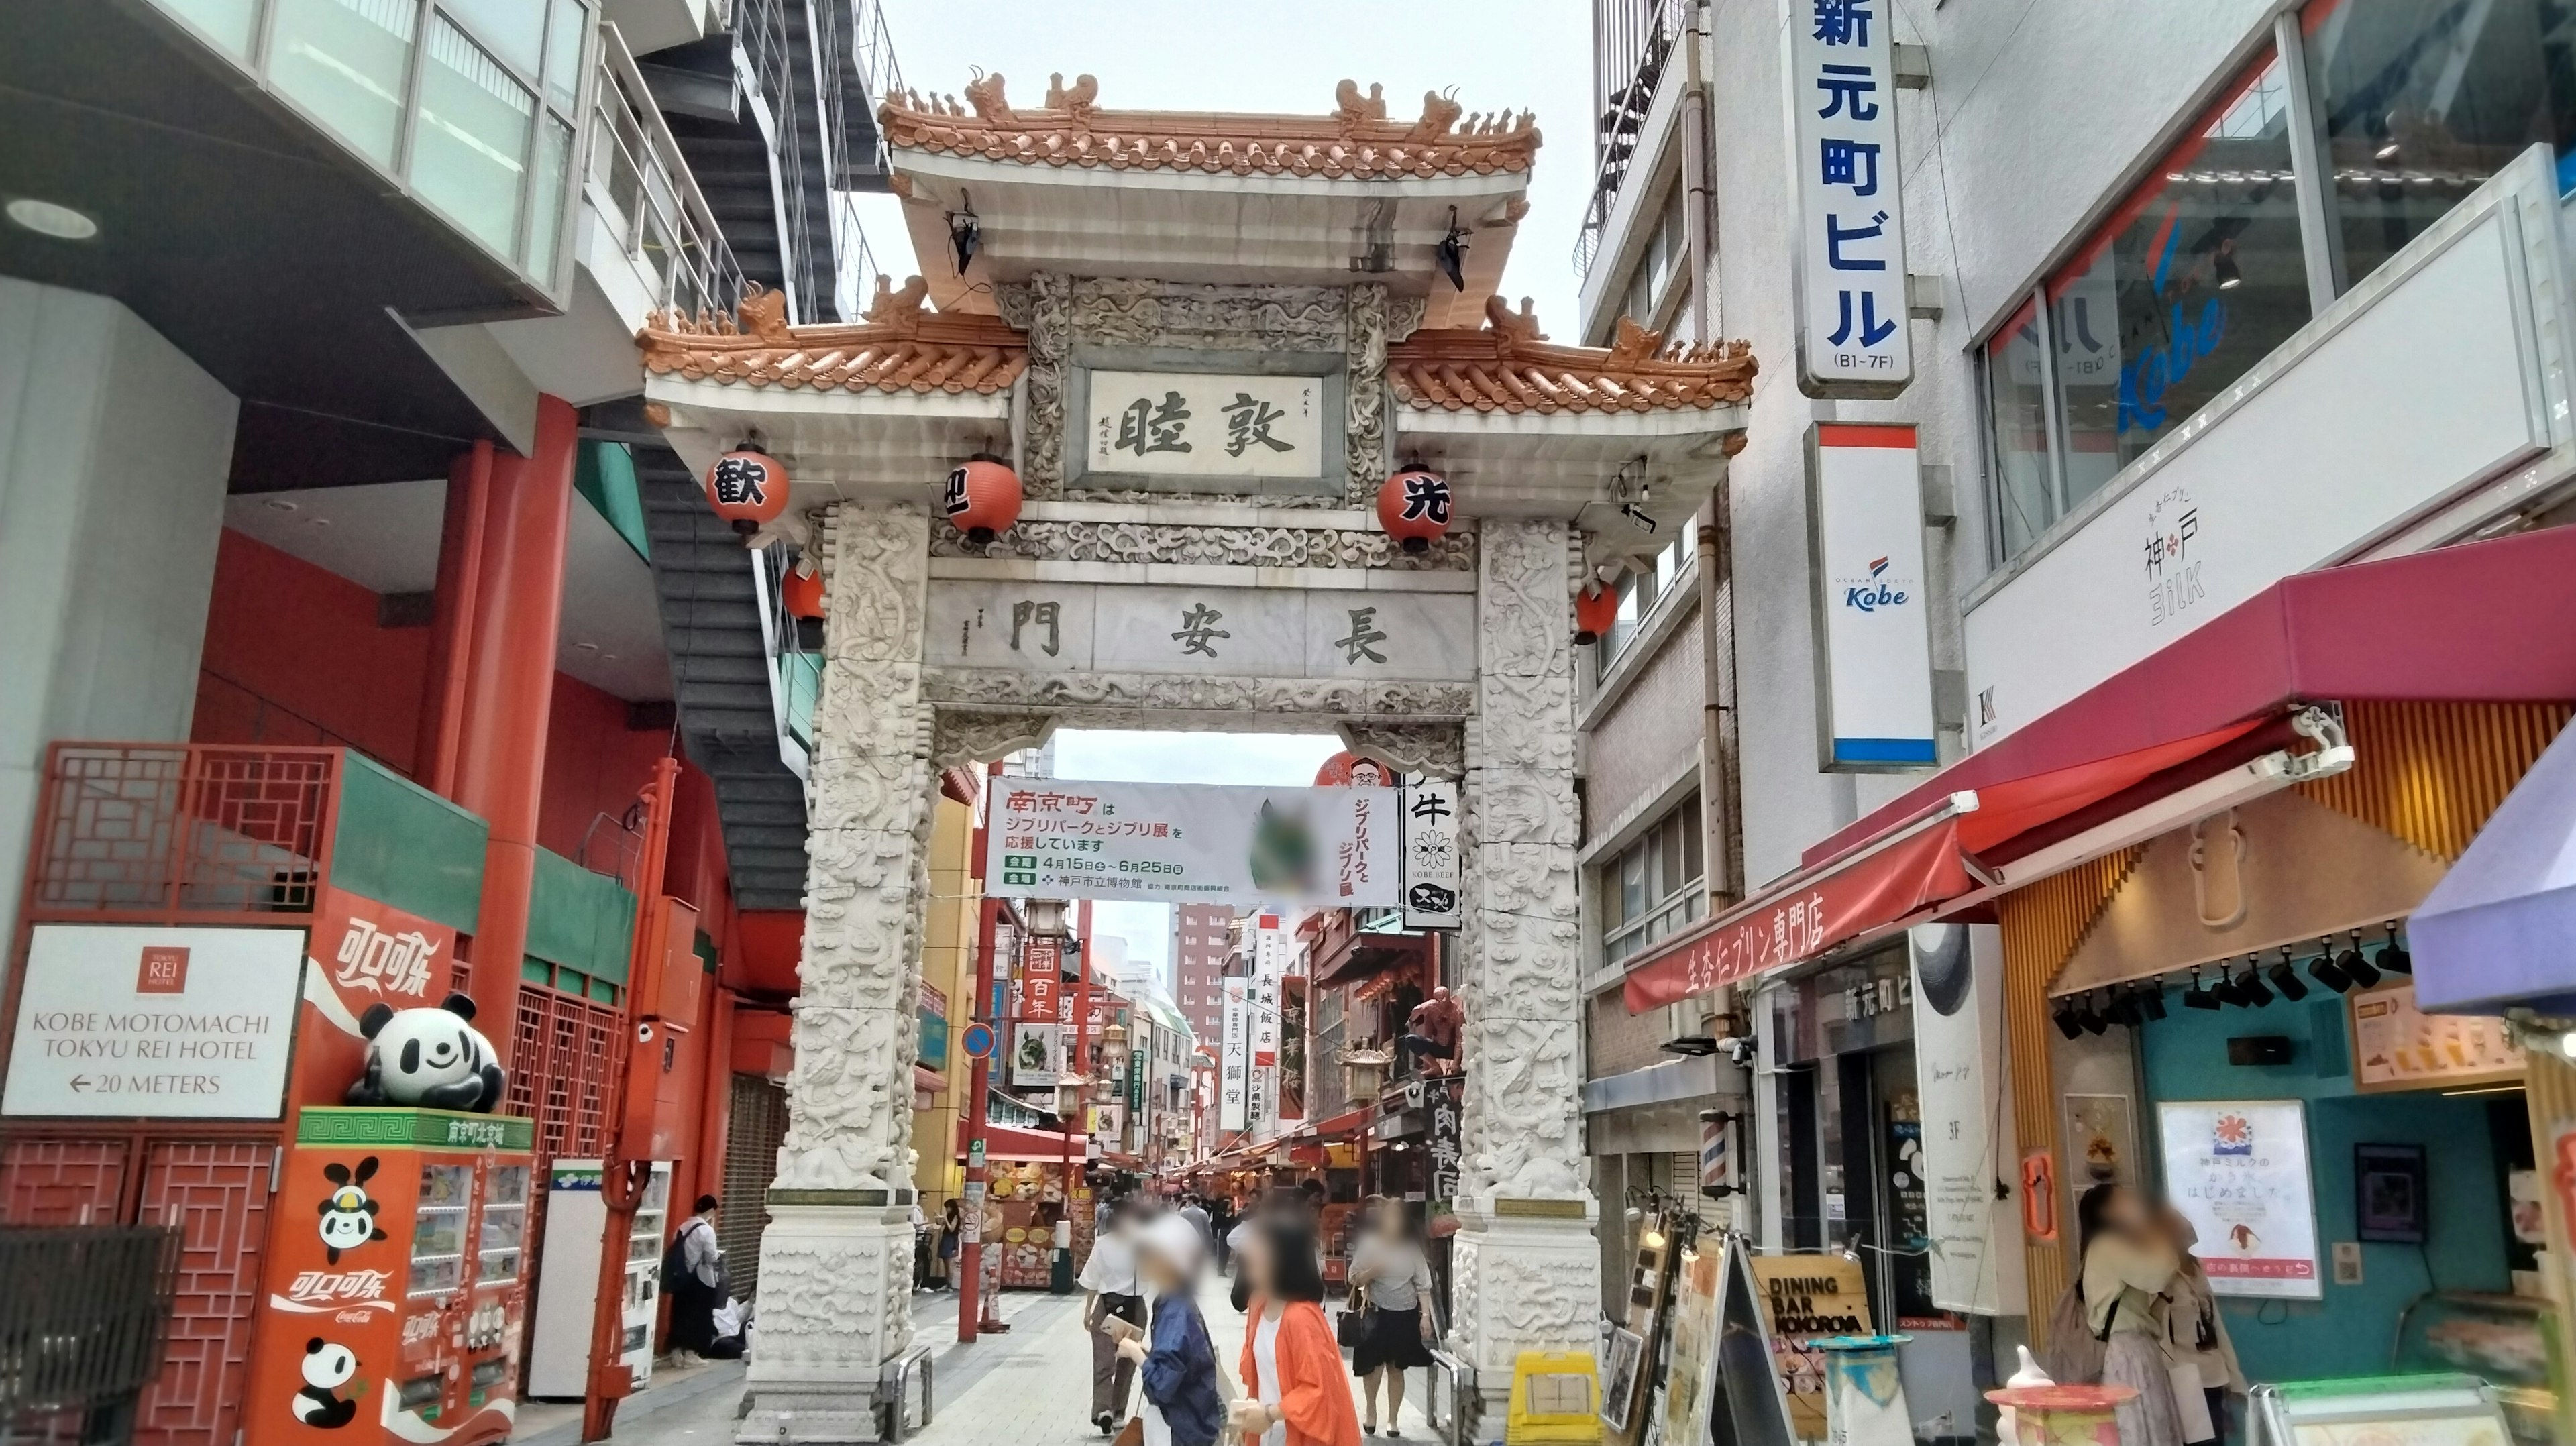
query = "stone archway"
{"x": 835, "y": 1304}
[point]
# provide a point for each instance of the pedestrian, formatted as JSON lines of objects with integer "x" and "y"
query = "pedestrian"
{"x": 920, "y": 1246}
{"x": 1109, "y": 1277}
{"x": 1196, "y": 1214}
{"x": 1176, "y": 1364}
{"x": 2129, "y": 1265}
{"x": 2196, "y": 1340}
{"x": 1389, "y": 1267}
{"x": 1292, "y": 1370}
{"x": 693, "y": 1276}
{"x": 1220, "y": 1222}
{"x": 951, "y": 1223}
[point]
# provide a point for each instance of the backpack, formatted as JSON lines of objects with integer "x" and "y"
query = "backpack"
{"x": 677, "y": 1279}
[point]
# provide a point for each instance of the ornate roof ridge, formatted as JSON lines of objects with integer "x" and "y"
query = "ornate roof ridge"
{"x": 900, "y": 345}
{"x": 1355, "y": 139}
{"x": 1508, "y": 365}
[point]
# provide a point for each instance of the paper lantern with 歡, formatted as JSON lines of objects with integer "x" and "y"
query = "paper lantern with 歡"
{"x": 982, "y": 498}
{"x": 1596, "y": 611}
{"x": 747, "y": 489}
{"x": 1413, "y": 507}
{"x": 801, "y": 592}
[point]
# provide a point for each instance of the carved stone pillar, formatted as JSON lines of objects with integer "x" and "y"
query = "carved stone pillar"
{"x": 836, "y": 1260}
{"x": 1526, "y": 1264}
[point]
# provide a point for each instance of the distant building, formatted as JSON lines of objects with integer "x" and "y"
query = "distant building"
{"x": 1202, "y": 935}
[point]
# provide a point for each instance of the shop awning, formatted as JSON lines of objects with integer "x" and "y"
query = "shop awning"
{"x": 1010, "y": 1142}
{"x": 2494, "y": 932}
{"x": 1373, "y": 954}
{"x": 1345, "y": 1126}
{"x": 2209, "y": 721}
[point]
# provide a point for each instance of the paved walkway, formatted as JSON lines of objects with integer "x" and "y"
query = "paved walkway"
{"x": 1030, "y": 1385}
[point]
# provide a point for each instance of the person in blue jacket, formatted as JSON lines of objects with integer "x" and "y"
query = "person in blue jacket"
{"x": 1184, "y": 1404}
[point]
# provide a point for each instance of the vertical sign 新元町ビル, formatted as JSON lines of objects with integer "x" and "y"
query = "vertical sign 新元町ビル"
{"x": 1873, "y": 637}
{"x": 1843, "y": 168}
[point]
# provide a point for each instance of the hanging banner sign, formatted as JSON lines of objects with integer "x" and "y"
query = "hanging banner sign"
{"x": 1042, "y": 979}
{"x": 1976, "y": 1259}
{"x": 1036, "y": 1056}
{"x": 1234, "y": 1086}
{"x": 1193, "y": 843}
{"x": 1843, "y": 167}
{"x": 1432, "y": 877}
{"x": 171, "y": 1023}
{"x": 1873, "y": 633}
{"x": 2238, "y": 1171}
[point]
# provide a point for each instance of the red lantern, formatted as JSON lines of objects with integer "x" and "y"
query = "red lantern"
{"x": 801, "y": 593}
{"x": 982, "y": 498}
{"x": 1596, "y": 611}
{"x": 747, "y": 489}
{"x": 1413, "y": 507}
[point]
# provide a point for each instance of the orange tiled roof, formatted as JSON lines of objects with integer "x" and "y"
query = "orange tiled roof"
{"x": 900, "y": 347}
{"x": 1507, "y": 366}
{"x": 1355, "y": 141}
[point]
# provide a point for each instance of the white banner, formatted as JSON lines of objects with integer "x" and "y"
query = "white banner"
{"x": 2238, "y": 1171}
{"x": 1432, "y": 878}
{"x": 1263, "y": 1113}
{"x": 1873, "y": 635}
{"x": 168, "y": 1023}
{"x": 1193, "y": 843}
{"x": 1234, "y": 1092}
{"x": 1967, "y": 1125}
{"x": 1037, "y": 1055}
{"x": 1844, "y": 168}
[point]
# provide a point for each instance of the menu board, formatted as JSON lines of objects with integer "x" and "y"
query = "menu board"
{"x": 2238, "y": 1171}
{"x": 1805, "y": 1299}
{"x": 2397, "y": 1047}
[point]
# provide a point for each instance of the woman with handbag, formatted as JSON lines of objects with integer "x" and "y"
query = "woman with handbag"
{"x": 1391, "y": 1283}
{"x": 1292, "y": 1370}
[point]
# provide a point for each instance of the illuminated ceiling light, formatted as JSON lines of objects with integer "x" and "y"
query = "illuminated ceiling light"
{"x": 2229, "y": 276}
{"x": 2388, "y": 152}
{"x": 47, "y": 219}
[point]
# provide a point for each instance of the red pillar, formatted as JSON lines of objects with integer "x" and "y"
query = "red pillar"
{"x": 451, "y": 631}
{"x": 508, "y": 695}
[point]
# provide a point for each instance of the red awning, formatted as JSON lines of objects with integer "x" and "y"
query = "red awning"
{"x": 1343, "y": 1126}
{"x": 1010, "y": 1142}
{"x": 2433, "y": 625}
{"x": 1374, "y": 954}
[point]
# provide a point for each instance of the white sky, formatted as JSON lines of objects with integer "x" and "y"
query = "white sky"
{"x": 1285, "y": 56}
{"x": 1105, "y": 756}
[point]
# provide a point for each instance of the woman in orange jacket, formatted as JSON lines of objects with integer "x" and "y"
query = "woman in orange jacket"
{"x": 1298, "y": 1390}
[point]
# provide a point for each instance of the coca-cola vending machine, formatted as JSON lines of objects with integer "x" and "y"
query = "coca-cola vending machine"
{"x": 396, "y": 1313}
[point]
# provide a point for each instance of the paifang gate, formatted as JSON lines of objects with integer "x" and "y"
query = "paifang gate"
{"x": 1203, "y": 342}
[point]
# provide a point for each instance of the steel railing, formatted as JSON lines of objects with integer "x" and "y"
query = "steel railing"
{"x": 894, "y": 1390}
{"x": 82, "y": 1321}
{"x": 1460, "y": 1379}
{"x": 645, "y": 191}
{"x": 1633, "y": 41}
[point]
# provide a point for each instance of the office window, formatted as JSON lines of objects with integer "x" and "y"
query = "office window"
{"x": 1654, "y": 886}
{"x": 2418, "y": 102}
{"x": 1637, "y": 594}
{"x": 2197, "y": 276}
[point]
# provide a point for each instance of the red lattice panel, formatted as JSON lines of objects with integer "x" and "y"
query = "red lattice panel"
{"x": 61, "y": 1182}
{"x": 216, "y": 1192}
{"x": 562, "y": 1060}
{"x": 206, "y": 828}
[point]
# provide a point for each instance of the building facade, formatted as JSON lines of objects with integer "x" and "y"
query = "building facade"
{"x": 2158, "y": 487}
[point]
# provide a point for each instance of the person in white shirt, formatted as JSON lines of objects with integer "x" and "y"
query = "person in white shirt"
{"x": 1109, "y": 1280}
{"x": 1389, "y": 1264}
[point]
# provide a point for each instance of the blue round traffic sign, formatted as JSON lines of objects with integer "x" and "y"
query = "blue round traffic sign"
{"x": 979, "y": 1041}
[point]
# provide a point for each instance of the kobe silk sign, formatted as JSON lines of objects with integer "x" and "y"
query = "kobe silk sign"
{"x": 1193, "y": 843}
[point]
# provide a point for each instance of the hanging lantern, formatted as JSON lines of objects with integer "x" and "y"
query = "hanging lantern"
{"x": 747, "y": 489}
{"x": 801, "y": 590}
{"x": 1596, "y": 611}
{"x": 1413, "y": 507}
{"x": 982, "y": 498}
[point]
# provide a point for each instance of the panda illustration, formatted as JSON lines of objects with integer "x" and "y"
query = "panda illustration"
{"x": 429, "y": 1057}
{"x": 327, "y": 1367}
{"x": 348, "y": 1216}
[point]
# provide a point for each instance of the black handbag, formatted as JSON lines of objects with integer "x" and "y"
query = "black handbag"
{"x": 1356, "y": 1318}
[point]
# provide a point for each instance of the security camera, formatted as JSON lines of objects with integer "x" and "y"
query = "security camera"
{"x": 1739, "y": 1049}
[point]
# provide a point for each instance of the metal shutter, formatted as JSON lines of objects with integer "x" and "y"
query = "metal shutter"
{"x": 757, "y": 1125}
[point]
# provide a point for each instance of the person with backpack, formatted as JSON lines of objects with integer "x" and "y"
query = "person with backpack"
{"x": 693, "y": 1276}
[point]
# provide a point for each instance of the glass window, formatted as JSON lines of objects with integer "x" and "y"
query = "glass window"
{"x": 466, "y": 158}
{"x": 511, "y": 29}
{"x": 2017, "y": 411}
{"x": 1654, "y": 886}
{"x": 2196, "y": 278}
{"x": 344, "y": 61}
{"x": 564, "y": 32}
{"x": 225, "y": 22}
{"x": 2419, "y": 101}
{"x": 545, "y": 225}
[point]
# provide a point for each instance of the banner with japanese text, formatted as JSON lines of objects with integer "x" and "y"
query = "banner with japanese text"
{"x": 1193, "y": 843}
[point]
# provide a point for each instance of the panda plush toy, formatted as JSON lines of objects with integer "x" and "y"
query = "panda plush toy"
{"x": 431, "y": 1057}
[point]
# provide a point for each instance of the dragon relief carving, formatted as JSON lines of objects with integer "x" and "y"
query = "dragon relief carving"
{"x": 961, "y": 738}
{"x": 1270, "y": 546}
{"x": 1438, "y": 749}
{"x": 1167, "y": 699}
{"x": 1118, "y": 311}
{"x": 1364, "y": 363}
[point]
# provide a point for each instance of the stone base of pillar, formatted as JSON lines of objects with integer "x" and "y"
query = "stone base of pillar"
{"x": 1527, "y": 1275}
{"x": 835, "y": 1310}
